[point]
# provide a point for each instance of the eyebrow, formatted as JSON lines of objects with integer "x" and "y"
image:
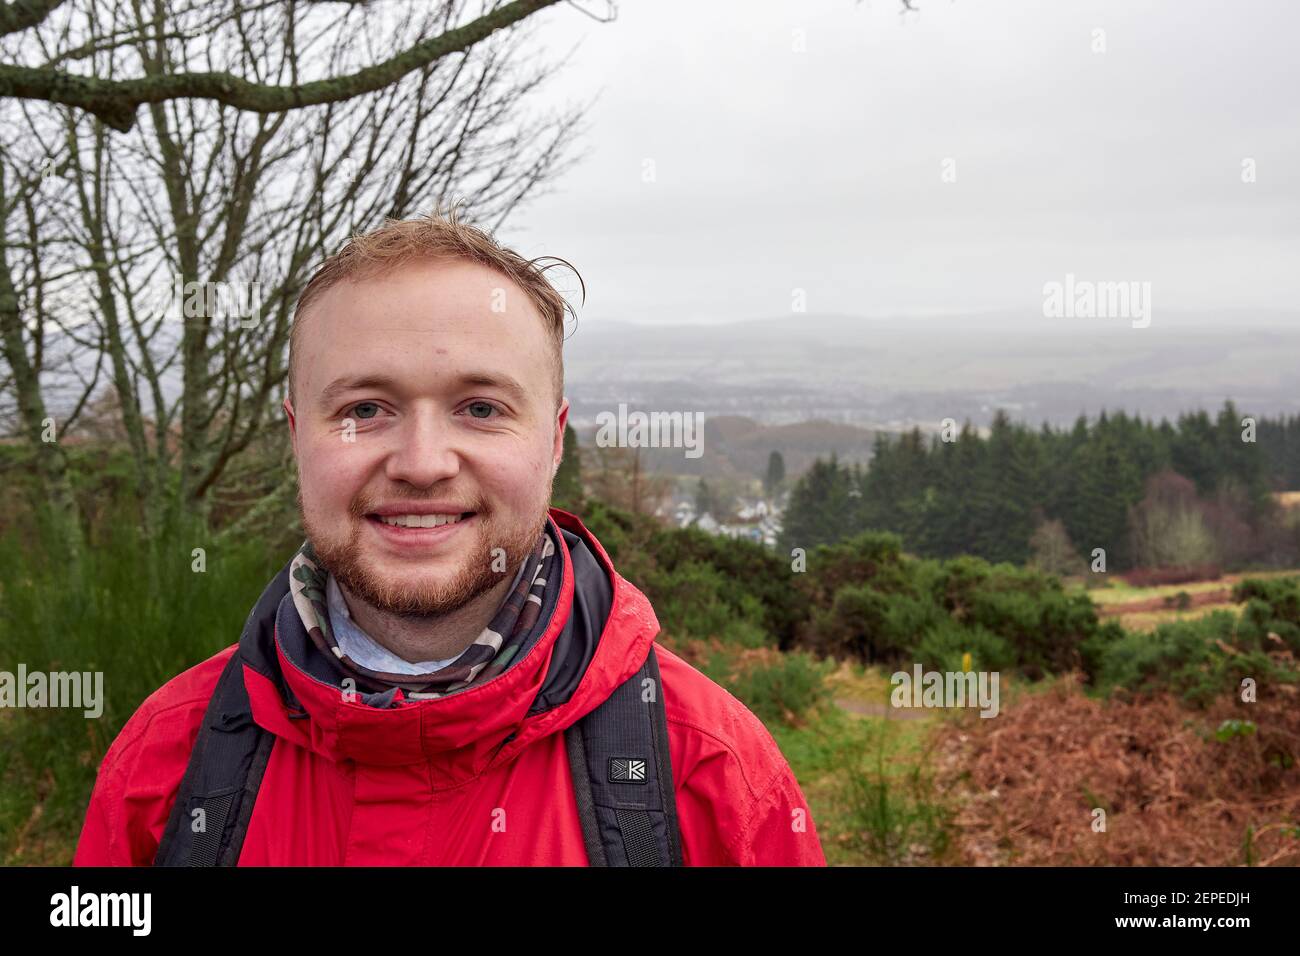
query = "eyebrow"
{"x": 341, "y": 386}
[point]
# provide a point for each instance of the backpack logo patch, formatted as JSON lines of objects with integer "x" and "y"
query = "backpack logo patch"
{"x": 626, "y": 770}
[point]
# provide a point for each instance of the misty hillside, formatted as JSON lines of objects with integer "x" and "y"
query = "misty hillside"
{"x": 891, "y": 374}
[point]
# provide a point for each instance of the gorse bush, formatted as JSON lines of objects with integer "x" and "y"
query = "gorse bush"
{"x": 775, "y": 685}
{"x": 701, "y": 586}
{"x": 1260, "y": 628}
{"x": 874, "y": 626}
{"x": 872, "y": 601}
{"x": 1198, "y": 660}
{"x": 863, "y": 598}
{"x": 1029, "y": 609}
{"x": 700, "y": 602}
{"x": 872, "y": 557}
{"x": 943, "y": 647}
{"x": 752, "y": 578}
{"x": 1280, "y": 595}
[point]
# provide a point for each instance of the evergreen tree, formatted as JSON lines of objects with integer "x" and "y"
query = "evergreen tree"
{"x": 1107, "y": 484}
{"x": 819, "y": 507}
{"x": 1008, "y": 488}
{"x": 775, "y": 476}
{"x": 1194, "y": 450}
{"x": 986, "y": 496}
{"x": 566, "y": 492}
{"x": 704, "y": 500}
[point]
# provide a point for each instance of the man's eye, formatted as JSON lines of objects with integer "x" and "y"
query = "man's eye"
{"x": 488, "y": 407}
{"x": 365, "y": 410}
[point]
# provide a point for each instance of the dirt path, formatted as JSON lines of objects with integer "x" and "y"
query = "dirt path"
{"x": 879, "y": 710}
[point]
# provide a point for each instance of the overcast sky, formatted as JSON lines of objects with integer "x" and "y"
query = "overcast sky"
{"x": 778, "y": 169}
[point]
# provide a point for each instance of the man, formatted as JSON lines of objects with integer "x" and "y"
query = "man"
{"x": 448, "y": 672}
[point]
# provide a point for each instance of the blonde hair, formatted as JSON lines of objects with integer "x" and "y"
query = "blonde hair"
{"x": 438, "y": 236}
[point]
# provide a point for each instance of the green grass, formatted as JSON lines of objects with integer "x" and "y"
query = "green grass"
{"x": 1147, "y": 621}
{"x": 136, "y": 611}
{"x": 1118, "y": 591}
{"x": 869, "y": 779}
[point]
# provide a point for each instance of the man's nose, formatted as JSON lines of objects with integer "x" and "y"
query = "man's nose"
{"x": 425, "y": 452}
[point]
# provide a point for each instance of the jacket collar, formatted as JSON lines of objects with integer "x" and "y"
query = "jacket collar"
{"x": 598, "y": 635}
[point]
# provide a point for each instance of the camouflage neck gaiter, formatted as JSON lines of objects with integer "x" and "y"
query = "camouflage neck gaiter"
{"x": 511, "y": 629}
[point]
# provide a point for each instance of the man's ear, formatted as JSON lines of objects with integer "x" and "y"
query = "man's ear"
{"x": 293, "y": 425}
{"x": 561, "y": 420}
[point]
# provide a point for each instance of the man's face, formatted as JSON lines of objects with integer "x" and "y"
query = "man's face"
{"x": 423, "y": 392}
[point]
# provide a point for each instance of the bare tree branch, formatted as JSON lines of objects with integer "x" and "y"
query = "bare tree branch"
{"x": 21, "y": 14}
{"x": 115, "y": 102}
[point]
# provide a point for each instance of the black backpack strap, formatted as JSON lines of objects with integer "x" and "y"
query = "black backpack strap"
{"x": 222, "y": 779}
{"x": 623, "y": 778}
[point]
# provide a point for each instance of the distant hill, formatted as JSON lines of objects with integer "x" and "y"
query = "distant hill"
{"x": 890, "y": 373}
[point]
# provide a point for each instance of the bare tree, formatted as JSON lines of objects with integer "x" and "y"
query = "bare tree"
{"x": 1168, "y": 526}
{"x": 1052, "y": 552}
{"x": 35, "y": 356}
{"x": 619, "y": 475}
{"x": 170, "y": 256}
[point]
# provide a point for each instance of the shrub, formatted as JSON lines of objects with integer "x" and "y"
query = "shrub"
{"x": 751, "y": 575}
{"x": 873, "y": 626}
{"x": 870, "y": 558}
{"x": 1281, "y": 595}
{"x": 1030, "y": 610}
{"x": 1271, "y": 614}
{"x": 1092, "y": 649}
{"x": 945, "y": 644}
{"x": 1196, "y": 660}
{"x": 744, "y": 579}
{"x": 697, "y": 600}
{"x": 884, "y": 614}
{"x": 775, "y": 685}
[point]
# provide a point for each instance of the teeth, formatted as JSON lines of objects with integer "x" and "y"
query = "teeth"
{"x": 419, "y": 521}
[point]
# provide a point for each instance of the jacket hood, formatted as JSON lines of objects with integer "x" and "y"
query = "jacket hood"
{"x": 599, "y": 632}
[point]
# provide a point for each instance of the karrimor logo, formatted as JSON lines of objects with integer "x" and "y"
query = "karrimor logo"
{"x": 651, "y": 430}
{"x": 1084, "y": 299}
{"x": 626, "y": 770}
{"x": 74, "y": 908}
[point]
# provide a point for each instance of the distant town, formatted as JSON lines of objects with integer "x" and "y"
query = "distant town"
{"x": 755, "y": 519}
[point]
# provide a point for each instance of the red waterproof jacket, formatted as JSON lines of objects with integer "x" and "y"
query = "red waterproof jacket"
{"x": 430, "y": 782}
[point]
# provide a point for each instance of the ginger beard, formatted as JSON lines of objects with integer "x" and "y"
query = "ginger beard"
{"x": 345, "y": 558}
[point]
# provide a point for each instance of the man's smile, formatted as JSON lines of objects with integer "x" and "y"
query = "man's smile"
{"x": 419, "y": 529}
